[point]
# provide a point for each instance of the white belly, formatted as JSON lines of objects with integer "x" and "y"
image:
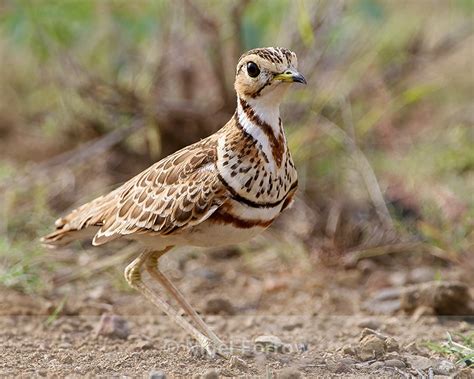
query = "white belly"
{"x": 206, "y": 234}
{"x": 215, "y": 232}
{"x": 210, "y": 234}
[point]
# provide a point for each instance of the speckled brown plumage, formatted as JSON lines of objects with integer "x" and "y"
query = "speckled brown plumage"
{"x": 223, "y": 189}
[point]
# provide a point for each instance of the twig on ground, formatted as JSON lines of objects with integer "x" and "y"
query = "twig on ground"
{"x": 354, "y": 256}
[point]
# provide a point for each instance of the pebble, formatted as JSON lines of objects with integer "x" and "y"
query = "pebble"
{"x": 289, "y": 373}
{"x": 290, "y": 327}
{"x": 157, "y": 375}
{"x": 348, "y": 350}
{"x": 143, "y": 345}
{"x": 237, "y": 363}
{"x": 341, "y": 367}
{"x": 443, "y": 367}
{"x": 113, "y": 326}
{"x": 392, "y": 344}
{"x": 395, "y": 363}
{"x": 371, "y": 347}
{"x": 221, "y": 306}
{"x": 367, "y": 332}
{"x": 66, "y": 359}
{"x": 268, "y": 343}
{"x": 445, "y": 298}
{"x": 210, "y": 374}
{"x": 377, "y": 365}
{"x": 419, "y": 362}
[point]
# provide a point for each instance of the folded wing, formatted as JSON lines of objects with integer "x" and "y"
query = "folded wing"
{"x": 177, "y": 192}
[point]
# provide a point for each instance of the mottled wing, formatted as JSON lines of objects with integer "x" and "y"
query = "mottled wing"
{"x": 180, "y": 191}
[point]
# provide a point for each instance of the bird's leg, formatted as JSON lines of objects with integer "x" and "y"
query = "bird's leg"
{"x": 152, "y": 268}
{"x": 134, "y": 279}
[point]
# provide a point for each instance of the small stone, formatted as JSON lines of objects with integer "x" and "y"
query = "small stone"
{"x": 220, "y": 306}
{"x": 444, "y": 367}
{"x": 348, "y": 350}
{"x": 289, "y": 373}
{"x": 371, "y": 347}
{"x": 419, "y": 362}
{"x": 143, "y": 345}
{"x": 370, "y": 332}
{"x": 341, "y": 368}
{"x": 210, "y": 374}
{"x": 66, "y": 359}
{"x": 268, "y": 343}
{"x": 392, "y": 344}
{"x": 112, "y": 326}
{"x": 397, "y": 363}
{"x": 237, "y": 363}
{"x": 392, "y": 355}
{"x": 377, "y": 365}
{"x": 78, "y": 370}
{"x": 293, "y": 326}
{"x": 370, "y": 324}
{"x": 444, "y": 298}
{"x": 157, "y": 375}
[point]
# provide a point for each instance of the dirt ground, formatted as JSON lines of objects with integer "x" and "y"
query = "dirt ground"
{"x": 331, "y": 321}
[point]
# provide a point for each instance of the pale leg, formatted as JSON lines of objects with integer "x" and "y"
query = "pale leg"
{"x": 152, "y": 268}
{"x": 134, "y": 279}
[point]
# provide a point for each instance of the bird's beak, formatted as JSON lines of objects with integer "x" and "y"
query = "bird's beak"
{"x": 291, "y": 76}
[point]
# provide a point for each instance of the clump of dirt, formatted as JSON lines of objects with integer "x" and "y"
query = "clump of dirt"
{"x": 439, "y": 298}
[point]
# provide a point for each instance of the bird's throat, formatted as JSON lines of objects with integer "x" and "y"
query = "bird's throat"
{"x": 261, "y": 115}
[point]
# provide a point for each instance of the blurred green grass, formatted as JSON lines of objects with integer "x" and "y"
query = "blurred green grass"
{"x": 396, "y": 77}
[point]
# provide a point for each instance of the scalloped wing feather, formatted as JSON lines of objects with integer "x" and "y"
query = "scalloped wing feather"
{"x": 175, "y": 193}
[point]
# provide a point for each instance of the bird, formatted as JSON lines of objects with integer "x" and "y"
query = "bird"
{"x": 221, "y": 190}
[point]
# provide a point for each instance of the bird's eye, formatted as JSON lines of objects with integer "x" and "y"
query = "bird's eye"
{"x": 253, "y": 69}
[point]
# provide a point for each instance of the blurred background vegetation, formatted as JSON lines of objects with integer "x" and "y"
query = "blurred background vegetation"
{"x": 92, "y": 92}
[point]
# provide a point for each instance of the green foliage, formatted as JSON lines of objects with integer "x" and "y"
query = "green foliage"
{"x": 461, "y": 348}
{"x": 19, "y": 266}
{"x": 22, "y": 259}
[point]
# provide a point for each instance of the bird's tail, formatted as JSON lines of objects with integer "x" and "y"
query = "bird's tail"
{"x": 81, "y": 223}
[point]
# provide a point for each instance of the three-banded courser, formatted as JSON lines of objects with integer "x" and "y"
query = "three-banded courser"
{"x": 221, "y": 190}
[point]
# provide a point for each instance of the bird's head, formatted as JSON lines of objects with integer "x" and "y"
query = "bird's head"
{"x": 266, "y": 73}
